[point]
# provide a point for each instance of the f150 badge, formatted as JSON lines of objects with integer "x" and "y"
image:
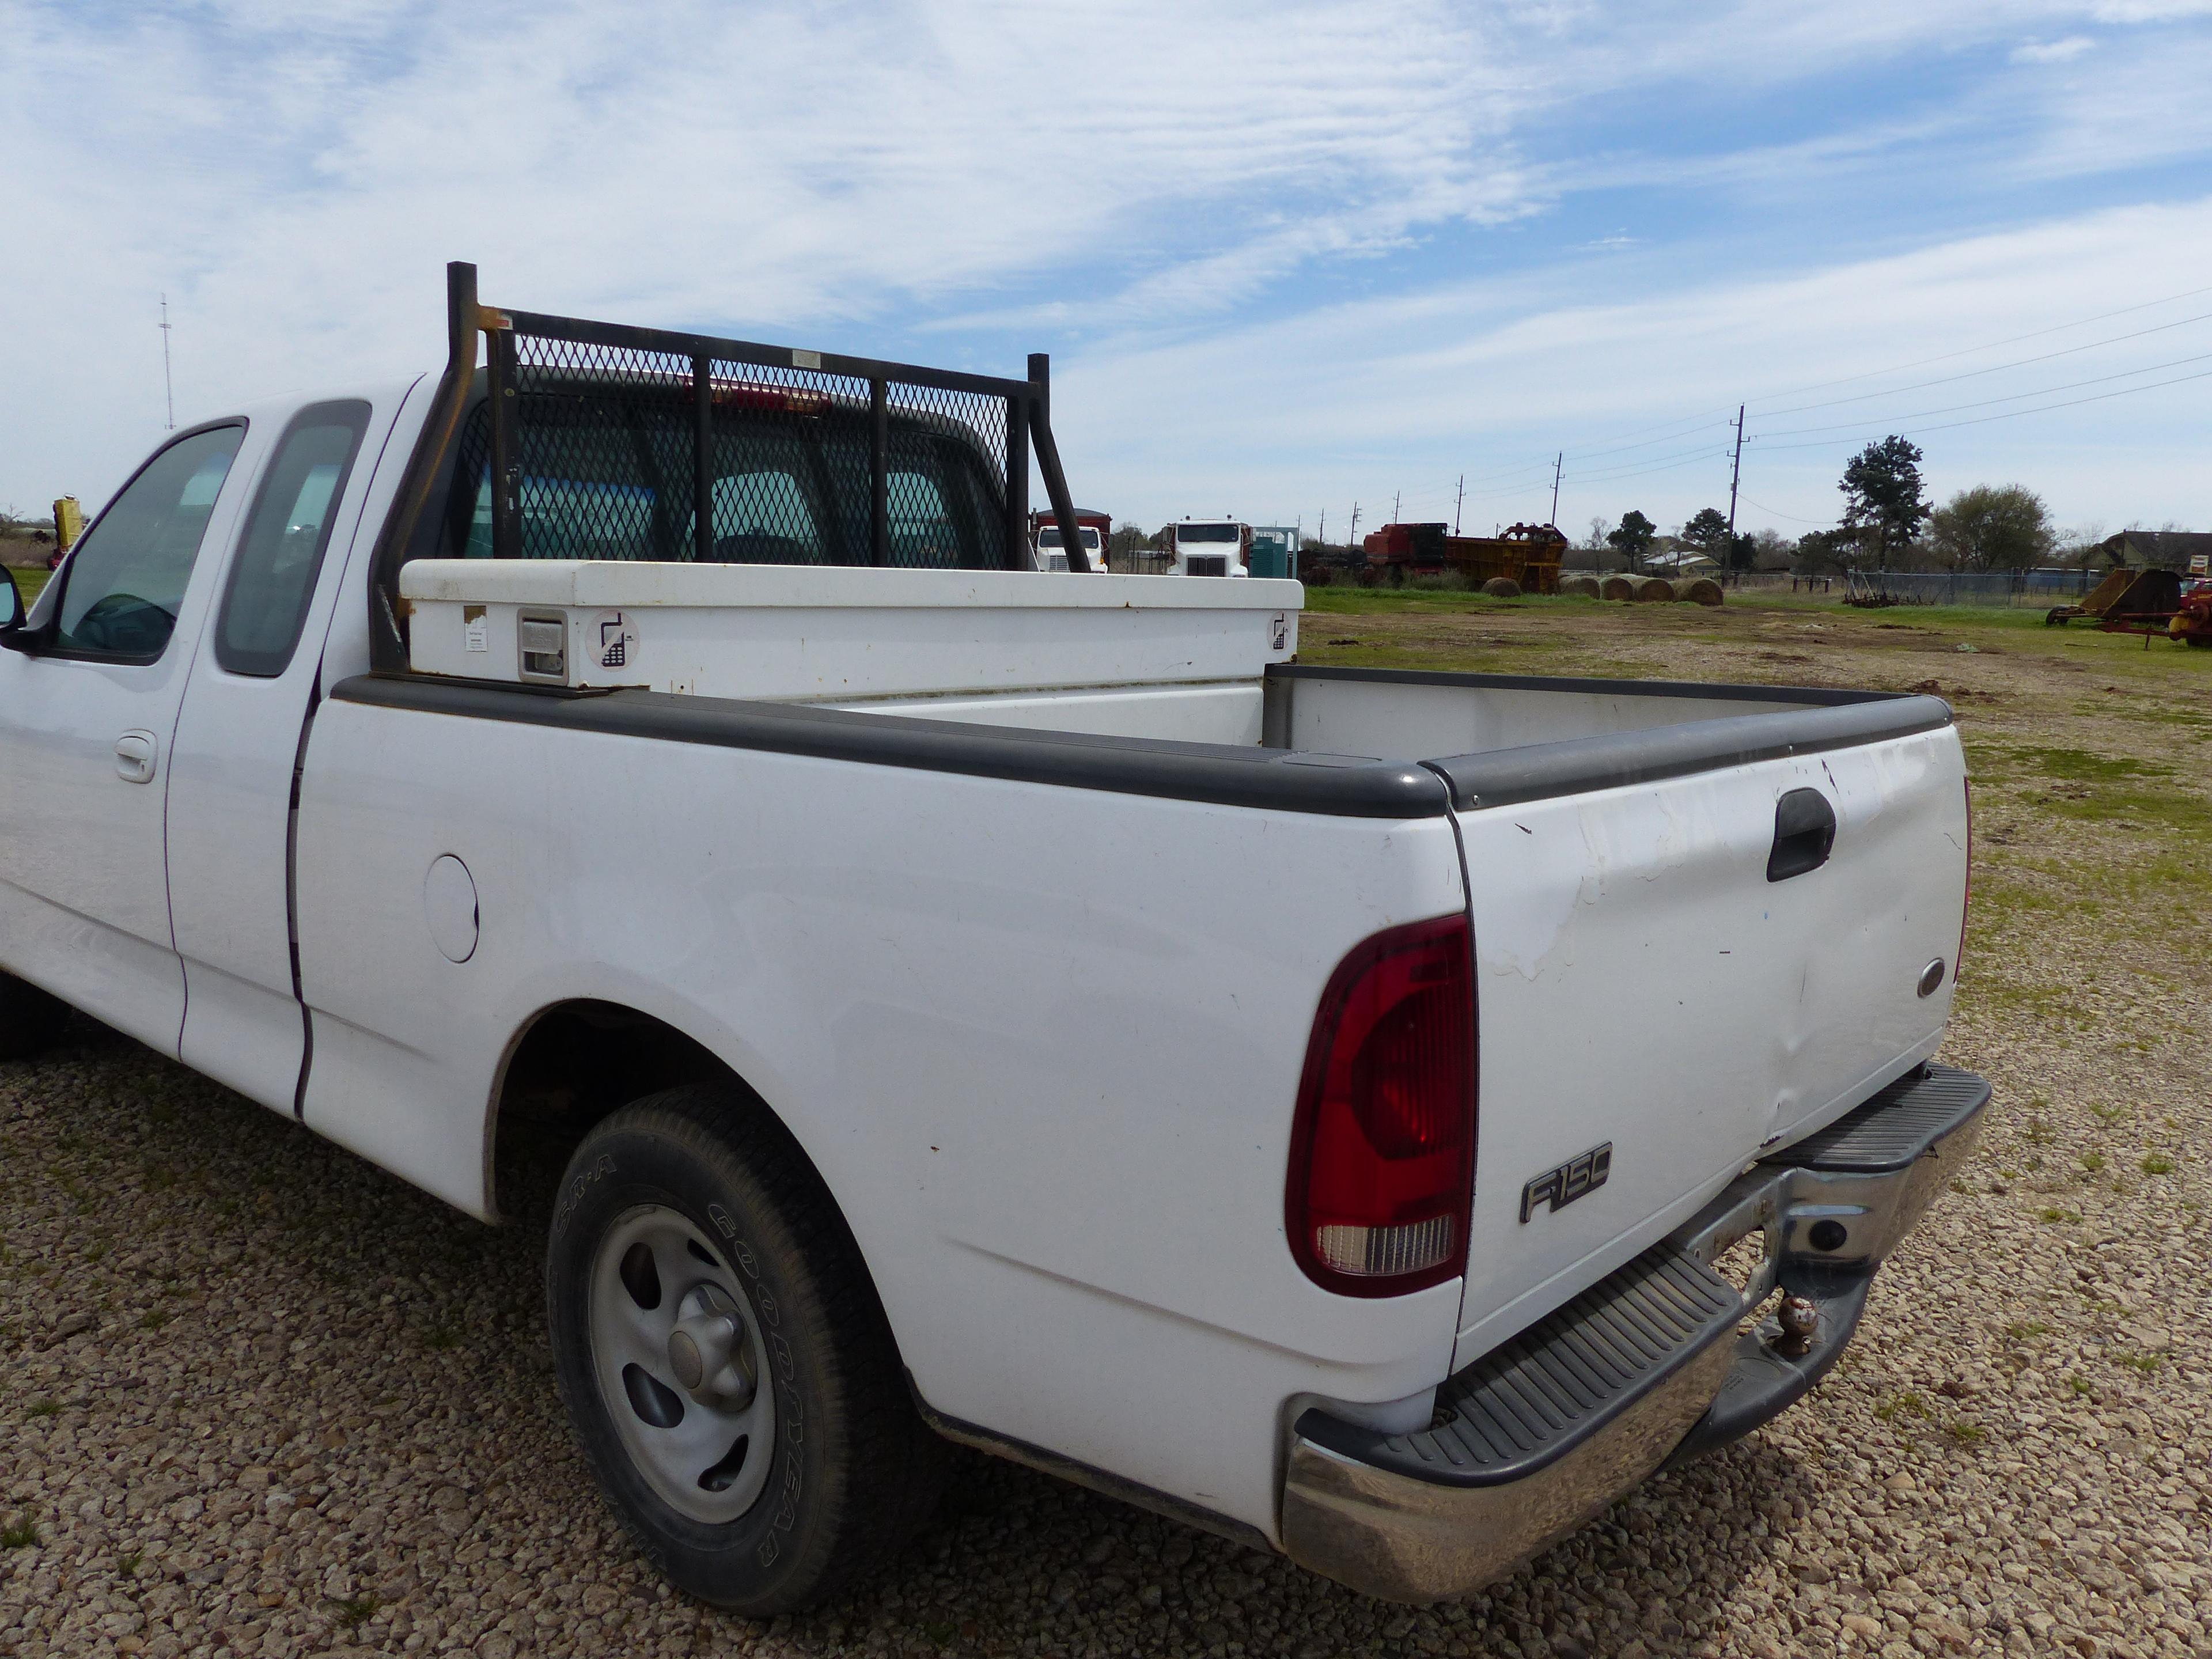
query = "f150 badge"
{"x": 1563, "y": 1186}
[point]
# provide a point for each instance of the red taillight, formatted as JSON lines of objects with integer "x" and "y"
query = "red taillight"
{"x": 1382, "y": 1151}
{"x": 1965, "y": 903}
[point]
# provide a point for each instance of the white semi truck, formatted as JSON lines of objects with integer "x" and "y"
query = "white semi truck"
{"x": 1314, "y": 1103}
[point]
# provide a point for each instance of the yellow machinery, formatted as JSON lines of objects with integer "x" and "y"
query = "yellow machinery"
{"x": 69, "y": 523}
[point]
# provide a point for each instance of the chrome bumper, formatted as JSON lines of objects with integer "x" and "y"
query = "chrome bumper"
{"x": 1545, "y": 1431}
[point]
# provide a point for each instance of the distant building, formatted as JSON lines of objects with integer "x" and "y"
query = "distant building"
{"x": 2170, "y": 549}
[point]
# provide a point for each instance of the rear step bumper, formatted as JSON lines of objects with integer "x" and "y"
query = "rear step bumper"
{"x": 1549, "y": 1428}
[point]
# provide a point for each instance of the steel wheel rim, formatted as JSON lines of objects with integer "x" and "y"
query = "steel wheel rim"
{"x": 704, "y": 1454}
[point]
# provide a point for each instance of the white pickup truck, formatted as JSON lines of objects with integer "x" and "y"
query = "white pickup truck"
{"x": 1377, "y": 1116}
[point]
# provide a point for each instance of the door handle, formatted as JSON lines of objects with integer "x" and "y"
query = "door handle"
{"x": 1804, "y": 834}
{"x": 134, "y": 757}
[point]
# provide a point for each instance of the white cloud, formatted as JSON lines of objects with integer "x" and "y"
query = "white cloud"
{"x": 295, "y": 186}
{"x": 1642, "y": 393}
{"x": 2053, "y": 51}
{"x": 2150, "y": 11}
{"x": 1129, "y": 171}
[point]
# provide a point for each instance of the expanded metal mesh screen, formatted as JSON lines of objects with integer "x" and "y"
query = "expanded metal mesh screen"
{"x": 620, "y": 450}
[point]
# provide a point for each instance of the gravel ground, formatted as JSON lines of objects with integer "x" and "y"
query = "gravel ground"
{"x": 258, "y": 1398}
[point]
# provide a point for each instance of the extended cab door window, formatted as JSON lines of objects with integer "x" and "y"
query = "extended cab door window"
{"x": 124, "y": 583}
{"x": 272, "y": 578}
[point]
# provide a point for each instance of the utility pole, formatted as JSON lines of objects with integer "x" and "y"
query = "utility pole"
{"x": 1351, "y": 536}
{"x": 1321, "y": 534}
{"x": 168, "y": 390}
{"x": 1397, "y": 499}
{"x": 1735, "y": 471}
{"x": 1558, "y": 461}
{"x": 1460, "y": 502}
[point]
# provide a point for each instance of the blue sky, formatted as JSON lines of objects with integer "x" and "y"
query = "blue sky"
{"x": 1286, "y": 257}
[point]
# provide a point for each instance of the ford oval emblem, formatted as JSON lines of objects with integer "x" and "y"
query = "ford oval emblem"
{"x": 1930, "y": 977}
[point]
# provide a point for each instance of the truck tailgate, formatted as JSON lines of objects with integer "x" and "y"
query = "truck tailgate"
{"x": 1643, "y": 986}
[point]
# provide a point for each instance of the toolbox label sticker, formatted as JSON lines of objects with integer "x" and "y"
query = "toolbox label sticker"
{"x": 618, "y": 639}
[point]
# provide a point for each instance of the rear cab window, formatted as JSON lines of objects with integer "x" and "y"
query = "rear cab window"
{"x": 287, "y": 533}
{"x": 606, "y": 473}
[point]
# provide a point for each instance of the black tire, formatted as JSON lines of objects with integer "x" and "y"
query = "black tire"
{"x": 856, "y": 1469}
{"x": 30, "y": 1019}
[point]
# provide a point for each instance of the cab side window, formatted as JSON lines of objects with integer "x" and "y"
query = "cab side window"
{"x": 125, "y": 582}
{"x": 272, "y": 580}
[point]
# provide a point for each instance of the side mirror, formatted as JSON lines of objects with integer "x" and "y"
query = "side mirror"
{"x": 14, "y": 613}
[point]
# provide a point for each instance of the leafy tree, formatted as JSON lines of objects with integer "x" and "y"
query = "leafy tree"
{"x": 1882, "y": 492}
{"x": 1632, "y": 540}
{"x": 1994, "y": 527}
{"x": 1707, "y": 532}
{"x": 1127, "y": 541}
{"x": 1823, "y": 550}
{"x": 1768, "y": 545}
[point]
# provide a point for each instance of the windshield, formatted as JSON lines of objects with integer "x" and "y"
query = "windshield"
{"x": 1050, "y": 538}
{"x": 1205, "y": 532}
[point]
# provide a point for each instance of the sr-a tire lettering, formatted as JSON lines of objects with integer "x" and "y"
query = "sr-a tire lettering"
{"x": 601, "y": 1168}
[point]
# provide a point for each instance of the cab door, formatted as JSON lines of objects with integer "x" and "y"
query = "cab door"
{"x": 241, "y": 739}
{"x": 88, "y": 701}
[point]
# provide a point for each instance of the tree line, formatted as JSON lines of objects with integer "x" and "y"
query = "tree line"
{"x": 1887, "y": 522}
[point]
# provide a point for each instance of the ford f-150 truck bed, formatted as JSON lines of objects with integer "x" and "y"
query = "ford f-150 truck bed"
{"x": 1317, "y": 1102}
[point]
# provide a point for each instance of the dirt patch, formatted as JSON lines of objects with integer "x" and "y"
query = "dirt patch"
{"x": 257, "y": 1397}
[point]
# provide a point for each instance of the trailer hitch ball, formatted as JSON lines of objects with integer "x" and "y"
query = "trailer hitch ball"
{"x": 1800, "y": 1319}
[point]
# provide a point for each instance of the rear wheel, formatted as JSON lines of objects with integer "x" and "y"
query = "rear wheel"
{"x": 30, "y": 1019}
{"x": 725, "y": 1364}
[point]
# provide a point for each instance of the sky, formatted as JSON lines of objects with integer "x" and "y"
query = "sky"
{"x": 1289, "y": 257}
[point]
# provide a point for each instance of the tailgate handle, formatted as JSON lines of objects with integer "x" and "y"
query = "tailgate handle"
{"x": 1804, "y": 834}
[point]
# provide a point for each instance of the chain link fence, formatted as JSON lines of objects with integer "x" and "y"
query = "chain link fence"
{"x": 1993, "y": 588}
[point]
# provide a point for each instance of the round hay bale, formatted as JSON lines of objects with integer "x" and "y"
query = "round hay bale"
{"x": 1697, "y": 589}
{"x": 1617, "y": 587}
{"x": 1654, "y": 590}
{"x": 1501, "y": 587}
{"x": 1581, "y": 588}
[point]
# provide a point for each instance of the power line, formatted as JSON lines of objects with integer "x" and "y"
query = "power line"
{"x": 1990, "y": 345}
{"x": 2012, "y": 415}
{"x": 1690, "y": 422}
{"x": 1521, "y": 480}
{"x": 2014, "y": 397}
{"x": 1509, "y": 472}
{"x": 1616, "y": 450}
{"x": 1685, "y": 431}
{"x": 1720, "y": 453}
{"x": 1972, "y": 374}
{"x": 1649, "y": 462}
{"x": 1779, "y": 513}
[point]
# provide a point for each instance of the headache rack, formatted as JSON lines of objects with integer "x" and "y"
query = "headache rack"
{"x": 691, "y": 405}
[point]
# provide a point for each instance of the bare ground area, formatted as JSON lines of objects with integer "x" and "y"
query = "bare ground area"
{"x": 258, "y": 1398}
